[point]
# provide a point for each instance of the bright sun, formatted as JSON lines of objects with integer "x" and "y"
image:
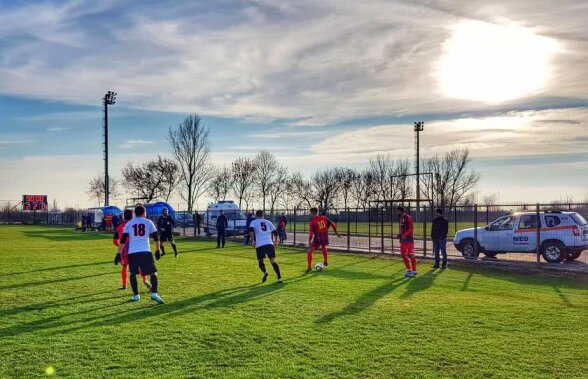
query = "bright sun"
{"x": 494, "y": 63}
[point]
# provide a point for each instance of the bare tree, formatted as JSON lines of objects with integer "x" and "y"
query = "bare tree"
{"x": 220, "y": 183}
{"x": 300, "y": 189}
{"x": 401, "y": 185}
{"x": 363, "y": 188}
{"x": 96, "y": 188}
{"x": 243, "y": 174}
{"x": 265, "y": 175}
{"x": 382, "y": 167}
{"x": 191, "y": 147}
{"x": 277, "y": 188}
{"x": 150, "y": 180}
{"x": 452, "y": 181}
{"x": 490, "y": 201}
{"x": 347, "y": 178}
{"x": 326, "y": 186}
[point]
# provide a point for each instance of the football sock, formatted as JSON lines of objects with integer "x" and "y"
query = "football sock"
{"x": 124, "y": 272}
{"x": 154, "y": 282}
{"x": 262, "y": 266}
{"x": 277, "y": 269}
{"x": 162, "y": 249}
{"x": 413, "y": 263}
{"x": 134, "y": 284}
{"x": 174, "y": 247}
{"x": 406, "y": 262}
{"x": 309, "y": 258}
{"x": 325, "y": 253}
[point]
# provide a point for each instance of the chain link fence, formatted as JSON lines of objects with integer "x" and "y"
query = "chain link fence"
{"x": 544, "y": 235}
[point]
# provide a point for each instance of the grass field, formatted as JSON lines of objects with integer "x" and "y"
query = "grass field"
{"x": 62, "y": 314}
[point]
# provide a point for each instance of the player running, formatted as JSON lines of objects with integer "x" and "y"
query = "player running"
{"x": 406, "y": 238}
{"x": 123, "y": 258}
{"x": 264, "y": 237}
{"x": 137, "y": 232}
{"x": 166, "y": 225}
{"x": 318, "y": 236}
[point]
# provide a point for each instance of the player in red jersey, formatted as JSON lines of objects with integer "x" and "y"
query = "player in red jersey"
{"x": 123, "y": 258}
{"x": 318, "y": 236}
{"x": 406, "y": 238}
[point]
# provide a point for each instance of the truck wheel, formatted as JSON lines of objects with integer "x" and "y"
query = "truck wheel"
{"x": 573, "y": 255}
{"x": 490, "y": 254}
{"x": 554, "y": 251}
{"x": 207, "y": 232}
{"x": 467, "y": 248}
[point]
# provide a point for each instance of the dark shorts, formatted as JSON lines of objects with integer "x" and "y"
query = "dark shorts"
{"x": 143, "y": 261}
{"x": 265, "y": 251}
{"x": 167, "y": 237}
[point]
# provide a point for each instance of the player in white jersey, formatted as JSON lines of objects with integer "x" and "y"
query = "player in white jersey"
{"x": 264, "y": 237}
{"x": 137, "y": 232}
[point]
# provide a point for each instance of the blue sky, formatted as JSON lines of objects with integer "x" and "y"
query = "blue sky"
{"x": 317, "y": 83}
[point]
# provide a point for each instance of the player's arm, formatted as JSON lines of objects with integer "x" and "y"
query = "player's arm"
{"x": 275, "y": 235}
{"x": 334, "y": 226}
{"x": 310, "y": 233}
{"x": 115, "y": 239}
{"x": 123, "y": 240}
{"x": 252, "y": 236}
{"x": 153, "y": 234}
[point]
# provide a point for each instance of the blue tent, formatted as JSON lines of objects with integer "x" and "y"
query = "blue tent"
{"x": 111, "y": 210}
{"x": 156, "y": 209}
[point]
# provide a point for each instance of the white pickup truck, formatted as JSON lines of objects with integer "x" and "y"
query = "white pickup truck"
{"x": 563, "y": 236}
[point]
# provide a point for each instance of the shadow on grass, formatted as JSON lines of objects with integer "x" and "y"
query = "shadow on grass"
{"x": 420, "y": 283}
{"x": 364, "y": 301}
{"x": 55, "y": 268}
{"x": 65, "y": 235}
{"x": 60, "y": 280}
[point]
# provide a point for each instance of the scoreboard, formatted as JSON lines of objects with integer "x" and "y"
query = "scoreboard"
{"x": 34, "y": 202}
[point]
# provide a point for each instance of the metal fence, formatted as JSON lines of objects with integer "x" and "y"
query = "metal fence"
{"x": 536, "y": 234}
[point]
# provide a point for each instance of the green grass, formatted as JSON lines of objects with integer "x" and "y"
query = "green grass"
{"x": 358, "y": 319}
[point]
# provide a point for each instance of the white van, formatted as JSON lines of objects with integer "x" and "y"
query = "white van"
{"x": 236, "y": 219}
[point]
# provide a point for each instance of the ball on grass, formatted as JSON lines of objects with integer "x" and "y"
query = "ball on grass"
{"x": 319, "y": 267}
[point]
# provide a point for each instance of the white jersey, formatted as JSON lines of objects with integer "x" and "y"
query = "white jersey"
{"x": 139, "y": 229}
{"x": 263, "y": 230}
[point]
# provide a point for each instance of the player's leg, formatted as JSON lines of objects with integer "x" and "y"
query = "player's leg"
{"x": 145, "y": 281}
{"x": 134, "y": 264}
{"x": 147, "y": 266}
{"x": 413, "y": 262}
{"x": 272, "y": 257}
{"x": 260, "y": 261}
{"x": 325, "y": 255}
{"x": 311, "y": 249}
{"x": 124, "y": 275}
{"x": 405, "y": 258}
{"x": 161, "y": 245}
{"x": 173, "y": 243}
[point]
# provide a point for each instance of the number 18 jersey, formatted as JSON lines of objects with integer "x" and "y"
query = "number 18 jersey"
{"x": 139, "y": 229}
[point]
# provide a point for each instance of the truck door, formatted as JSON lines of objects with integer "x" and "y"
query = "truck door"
{"x": 525, "y": 236}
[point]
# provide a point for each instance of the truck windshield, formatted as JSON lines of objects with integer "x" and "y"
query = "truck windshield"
{"x": 235, "y": 216}
{"x": 579, "y": 219}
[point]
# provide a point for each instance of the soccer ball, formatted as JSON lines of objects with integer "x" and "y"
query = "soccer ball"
{"x": 319, "y": 267}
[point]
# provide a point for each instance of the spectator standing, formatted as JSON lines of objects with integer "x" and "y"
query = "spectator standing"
{"x": 439, "y": 232}
{"x": 197, "y": 221}
{"x": 222, "y": 223}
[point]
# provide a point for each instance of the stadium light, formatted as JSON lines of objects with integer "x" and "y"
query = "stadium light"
{"x": 419, "y": 126}
{"x": 109, "y": 99}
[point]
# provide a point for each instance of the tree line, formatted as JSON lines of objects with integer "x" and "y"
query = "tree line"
{"x": 262, "y": 181}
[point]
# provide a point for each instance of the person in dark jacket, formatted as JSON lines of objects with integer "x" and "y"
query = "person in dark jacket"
{"x": 439, "y": 236}
{"x": 197, "y": 222}
{"x": 247, "y": 224}
{"x": 84, "y": 222}
{"x": 222, "y": 223}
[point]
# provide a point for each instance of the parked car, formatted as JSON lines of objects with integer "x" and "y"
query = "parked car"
{"x": 563, "y": 236}
{"x": 184, "y": 219}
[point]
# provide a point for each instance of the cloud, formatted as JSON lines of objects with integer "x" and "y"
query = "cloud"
{"x": 132, "y": 143}
{"x": 56, "y": 129}
{"x": 313, "y": 62}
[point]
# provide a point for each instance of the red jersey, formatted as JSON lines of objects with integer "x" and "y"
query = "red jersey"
{"x": 319, "y": 230}
{"x": 406, "y": 229}
{"x": 118, "y": 236}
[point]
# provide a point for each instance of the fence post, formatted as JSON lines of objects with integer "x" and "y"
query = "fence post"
{"x": 392, "y": 228}
{"x": 235, "y": 226}
{"x": 294, "y": 232}
{"x": 382, "y": 230}
{"x": 476, "y": 231}
{"x": 370, "y": 229}
{"x": 425, "y": 231}
{"x": 538, "y": 247}
{"x": 348, "y": 232}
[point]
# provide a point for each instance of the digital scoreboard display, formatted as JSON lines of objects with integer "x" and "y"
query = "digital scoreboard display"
{"x": 34, "y": 202}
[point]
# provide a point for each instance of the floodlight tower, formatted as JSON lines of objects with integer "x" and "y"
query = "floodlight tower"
{"x": 109, "y": 99}
{"x": 419, "y": 126}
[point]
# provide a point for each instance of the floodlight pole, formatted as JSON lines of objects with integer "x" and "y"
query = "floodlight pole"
{"x": 418, "y": 128}
{"x": 109, "y": 99}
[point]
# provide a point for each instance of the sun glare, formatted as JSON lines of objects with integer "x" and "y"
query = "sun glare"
{"x": 494, "y": 63}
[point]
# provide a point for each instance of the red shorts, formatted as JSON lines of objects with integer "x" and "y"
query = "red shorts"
{"x": 407, "y": 248}
{"x": 315, "y": 246}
